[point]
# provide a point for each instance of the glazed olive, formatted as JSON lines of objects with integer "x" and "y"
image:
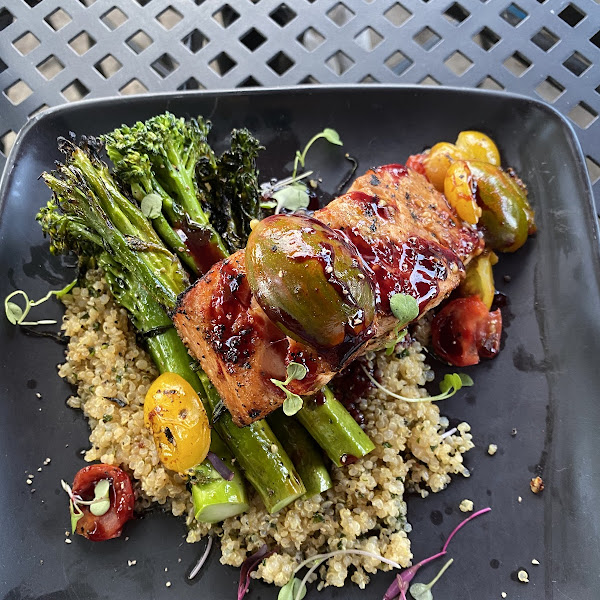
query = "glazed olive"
{"x": 438, "y": 161}
{"x": 459, "y": 189}
{"x": 177, "y": 419}
{"x": 479, "y": 278}
{"x": 478, "y": 146}
{"x": 310, "y": 281}
{"x": 507, "y": 218}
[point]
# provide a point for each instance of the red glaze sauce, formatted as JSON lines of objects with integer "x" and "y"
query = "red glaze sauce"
{"x": 370, "y": 204}
{"x": 395, "y": 169}
{"x": 414, "y": 267}
{"x": 200, "y": 244}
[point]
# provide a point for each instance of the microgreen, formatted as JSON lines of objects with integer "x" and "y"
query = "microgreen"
{"x": 291, "y": 590}
{"x": 404, "y": 307}
{"x": 422, "y": 591}
{"x": 331, "y": 135}
{"x": 99, "y": 506}
{"x": 400, "y": 584}
{"x": 292, "y": 403}
{"x": 249, "y": 565}
{"x": 451, "y": 384}
{"x": 398, "y": 335}
{"x": 292, "y": 197}
{"x": 16, "y": 315}
{"x": 151, "y": 206}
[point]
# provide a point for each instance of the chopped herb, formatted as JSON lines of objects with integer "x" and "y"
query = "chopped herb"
{"x": 107, "y": 418}
{"x": 386, "y": 445}
{"x": 318, "y": 518}
{"x": 292, "y": 403}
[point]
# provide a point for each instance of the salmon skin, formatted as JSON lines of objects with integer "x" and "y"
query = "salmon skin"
{"x": 408, "y": 235}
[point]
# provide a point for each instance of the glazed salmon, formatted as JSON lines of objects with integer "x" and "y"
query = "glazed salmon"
{"x": 410, "y": 238}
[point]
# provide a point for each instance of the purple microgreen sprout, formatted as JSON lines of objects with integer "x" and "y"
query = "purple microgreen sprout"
{"x": 98, "y": 506}
{"x": 400, "y": 584}
{"x": 422, "y": 591}
{"x": 451, "y": 384}
{"x": 249, "y": 565}
{"x": 331, "y": 135}
{"x": 202, "y": 560}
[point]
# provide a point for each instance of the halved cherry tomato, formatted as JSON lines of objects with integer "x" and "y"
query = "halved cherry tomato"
{"x": 465, "y": 331}
{"x": 416, "y": 162}
{"x": 121, "y": 497}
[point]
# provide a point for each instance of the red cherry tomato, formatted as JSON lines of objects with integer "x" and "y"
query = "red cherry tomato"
{"x": 465, "y": 331}
{"x": 110, "y": 524}
{"x": 416, "y": 163}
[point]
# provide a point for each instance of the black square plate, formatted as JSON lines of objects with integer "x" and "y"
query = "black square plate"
{"x": 544, "y": 384}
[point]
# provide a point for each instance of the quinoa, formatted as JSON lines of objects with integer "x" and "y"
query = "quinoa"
{"x": 364, "y": 510}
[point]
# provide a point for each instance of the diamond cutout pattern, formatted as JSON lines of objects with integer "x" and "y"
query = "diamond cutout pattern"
{"x": 398, "y": 63}
{"x": 26, "y": 43}
{"x": 311, "y": 39}
{"x": 108, "y": 66}
{"x": 164, "y": 65}
{"x": 518, "y": 45}
{"x": 281, "y": 63}
{"x": 427, "y": 38}
{"x": 195, "y": 41}
{"x": 339, "y": 62}
{"x": 139, "y": 41}
{"x": 82, "y": 42}
{"x": 50, "y": 67}
{"x": 340, "y": 14}
{"x": 458, "y": 63}
{"x": 114, "y": 18}
{"x": 486, "y": 39}
{"x": 58, "y": 18}
{"x": 226, "y": 16}
{"x": 169, "y": 17}
{"x": 397, "y": 15}
{"x": 283, "y": 15}
{"x": 253, "y": 39}
{"x": 368, "y": 39}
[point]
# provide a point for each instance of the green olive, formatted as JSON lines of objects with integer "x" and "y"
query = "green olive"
{"x": 507, "y": 218}
{"x": 310, "y": 281}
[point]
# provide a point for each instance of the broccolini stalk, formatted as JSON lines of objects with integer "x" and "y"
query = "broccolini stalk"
{"x": 88, "y": 203}
{"x": 232, "y": 192}
{"x": 172, "y": 147}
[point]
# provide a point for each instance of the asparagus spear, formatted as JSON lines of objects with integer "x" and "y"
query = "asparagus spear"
{"x": 303, "y": 451}
{"x": 334, "y": 429}
{"x": 255, "y": 447}
{"x": 214, "y": 497}
{"x": 82, "y": 207}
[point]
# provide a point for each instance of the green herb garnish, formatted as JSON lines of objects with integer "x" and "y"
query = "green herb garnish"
{"x": 451, "y": 384}
{"x": 405, "y": 308}
{"x": 331, "y": 135}
{"x": 422, "y": 591}
{"x": 16, "y": 315}
{"x": 292, "y": 403}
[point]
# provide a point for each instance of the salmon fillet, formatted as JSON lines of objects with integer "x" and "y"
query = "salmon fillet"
{"x": 410, "y": 238}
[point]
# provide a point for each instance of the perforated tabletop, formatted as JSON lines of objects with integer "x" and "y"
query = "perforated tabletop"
{"x": 57, "y": 51}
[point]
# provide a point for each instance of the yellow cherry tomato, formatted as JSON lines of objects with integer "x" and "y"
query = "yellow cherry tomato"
{"x": 479, "y": 278}
{"x": 478, "y": 146}
{"x": 177, "y": 419}
{"x": 459, "y": 189}
{"x": 438, "y": 161}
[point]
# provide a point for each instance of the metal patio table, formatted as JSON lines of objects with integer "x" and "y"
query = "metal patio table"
{"x": 57, "y": 51}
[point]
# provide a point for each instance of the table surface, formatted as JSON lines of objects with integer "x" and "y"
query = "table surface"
{"x": 57, "y": 51}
